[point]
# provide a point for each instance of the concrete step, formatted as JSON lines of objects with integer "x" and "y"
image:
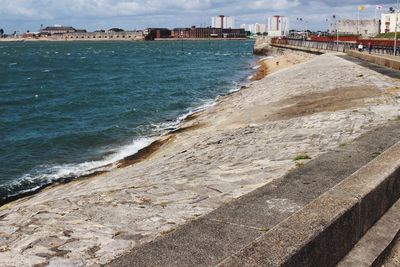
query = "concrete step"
{"x": 376, "y": 244}
{"x": 393, "y": 259}
{"x": 324, "y": 231}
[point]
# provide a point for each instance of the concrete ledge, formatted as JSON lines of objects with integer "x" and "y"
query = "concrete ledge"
{"x": 325, "y": 230}
{"x": 303, "y": 49}
{"x": 376, "y": 244}
{"x": 386, "y": 61}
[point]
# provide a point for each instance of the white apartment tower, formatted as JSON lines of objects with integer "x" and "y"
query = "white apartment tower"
{"x": 278, "y": 26}
{"x": 229, "y": 23}
{"x": 388, "y": 23}
{"x": 223, "y": 22}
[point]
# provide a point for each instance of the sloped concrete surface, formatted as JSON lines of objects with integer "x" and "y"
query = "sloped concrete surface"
{"x": 247, "y": 140}
{"x": 256, "y": 214}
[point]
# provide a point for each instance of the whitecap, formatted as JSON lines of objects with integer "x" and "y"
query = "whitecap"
{"x": 45, "y": 175}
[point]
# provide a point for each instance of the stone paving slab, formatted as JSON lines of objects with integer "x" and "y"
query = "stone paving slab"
{"x": 211, "y": 239}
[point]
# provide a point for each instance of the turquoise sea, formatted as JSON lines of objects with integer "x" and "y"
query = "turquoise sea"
{"x": 69, "y": 108}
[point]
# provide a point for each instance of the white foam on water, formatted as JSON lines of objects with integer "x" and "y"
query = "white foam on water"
{"x": 45, "y": 175}
{"x": 128, "y": 150}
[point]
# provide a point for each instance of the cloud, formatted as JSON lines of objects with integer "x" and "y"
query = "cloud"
{"x": 93, "y": 14}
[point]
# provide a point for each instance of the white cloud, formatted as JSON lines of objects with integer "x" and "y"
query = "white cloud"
{"x": 169, "y": 13}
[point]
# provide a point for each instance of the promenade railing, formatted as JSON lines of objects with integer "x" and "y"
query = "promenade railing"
{"x": 335, "y": 46}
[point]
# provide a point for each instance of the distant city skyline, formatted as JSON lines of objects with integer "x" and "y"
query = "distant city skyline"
{"x": 26, "y": 15}
{"x": 228, "y": 22}
{"x": 275, "y": 25}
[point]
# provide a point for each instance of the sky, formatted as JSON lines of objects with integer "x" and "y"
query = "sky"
{"x": 23, "y": 15}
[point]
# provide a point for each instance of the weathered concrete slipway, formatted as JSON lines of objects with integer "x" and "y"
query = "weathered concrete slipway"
{"x": 319, "y": 234}
{"x": 226, "y": 182}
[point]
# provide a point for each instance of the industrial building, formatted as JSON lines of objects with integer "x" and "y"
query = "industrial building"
{"x": 157, "y": 33}
{"x": 194, "y": 33}
{"x": 209, "y": 32}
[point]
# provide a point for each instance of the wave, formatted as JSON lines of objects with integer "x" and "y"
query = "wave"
{"x": 43, "y": 176}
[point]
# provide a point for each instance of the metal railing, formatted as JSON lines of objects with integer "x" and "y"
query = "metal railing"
{"x": 335, "y": 46}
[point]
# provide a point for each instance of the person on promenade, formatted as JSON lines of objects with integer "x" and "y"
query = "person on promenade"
{"x": 369, "y": 47}
{"x": 360, "y": 47}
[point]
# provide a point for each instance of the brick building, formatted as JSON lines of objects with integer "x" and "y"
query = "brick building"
{"x": 209, "y": 32}
{"x": 157, "y": 33}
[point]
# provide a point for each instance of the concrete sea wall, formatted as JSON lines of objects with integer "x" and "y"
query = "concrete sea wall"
{"x": 387, "y": 61}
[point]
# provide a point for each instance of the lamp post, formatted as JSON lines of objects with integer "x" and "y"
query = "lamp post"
{"x": 306, "y": 28}
{"x": 395, "y": 29}
{"x": 301, "y": 22}
{"x": 181, "y": 34}
{"x": 337, "y": 32}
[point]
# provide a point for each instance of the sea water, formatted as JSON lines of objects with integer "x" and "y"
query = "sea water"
{"x": 69, "y": 108}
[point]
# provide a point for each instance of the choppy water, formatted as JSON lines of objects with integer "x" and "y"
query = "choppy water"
{"x": 66, "y": 108}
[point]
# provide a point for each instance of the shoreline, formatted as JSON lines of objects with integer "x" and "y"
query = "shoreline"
{"x": 18, "y": 40}
{"x": 124, "y": 162}
{"x": 200, "y": 39}
{"x": 246, "y": 140}
{"x": 21, "y": 40}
